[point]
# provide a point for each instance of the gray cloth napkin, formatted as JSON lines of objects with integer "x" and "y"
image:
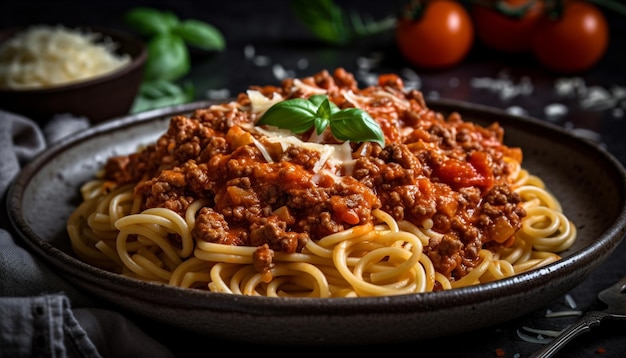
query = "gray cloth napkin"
{"x": 42, "y": 326}
{"x": 20, "y": 141}
{"x": 41, "y": 314}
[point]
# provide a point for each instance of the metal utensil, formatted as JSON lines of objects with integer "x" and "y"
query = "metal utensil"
{"x": 615, "y": 299}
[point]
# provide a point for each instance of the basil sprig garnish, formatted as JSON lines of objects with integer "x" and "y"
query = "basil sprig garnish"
{"x": 168, "y": 39}
{"x": 299, "y": 115}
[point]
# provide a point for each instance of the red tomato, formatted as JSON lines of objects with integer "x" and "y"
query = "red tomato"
{"x": 441, "y": 37}
{"x": 575, "y": 41}
{"x": 502, "y": 32}
{"x": 475, "y": 172}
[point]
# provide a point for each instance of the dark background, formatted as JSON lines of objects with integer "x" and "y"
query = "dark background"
{"x": 271, "y": 29}
{"x": 285, "y": 46}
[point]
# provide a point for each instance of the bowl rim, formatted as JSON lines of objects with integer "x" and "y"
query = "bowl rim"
{"x": 116, "y": 34}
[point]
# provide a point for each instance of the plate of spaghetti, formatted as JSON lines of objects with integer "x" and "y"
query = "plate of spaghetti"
{"x": 320, "y": 212}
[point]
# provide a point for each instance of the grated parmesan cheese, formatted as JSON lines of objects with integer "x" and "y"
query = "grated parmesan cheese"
{"x": 332, "y": 156}
{"x": 504, "y": 85}
{"x": 44, "y": 56}
{"x": 555, "y": 111}
{"x": 260, "y": 103}
{"x": 310, "y": 90}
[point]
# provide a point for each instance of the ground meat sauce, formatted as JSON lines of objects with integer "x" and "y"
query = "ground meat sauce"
{"x": 443, "y": 171}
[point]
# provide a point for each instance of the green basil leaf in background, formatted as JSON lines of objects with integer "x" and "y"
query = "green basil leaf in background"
{"x": 168, "y": 58}
{"x": 200, "y": 34}
{"x": 324, "y": 19}
{"x": 159, "y": 88}
{"x": 334, "y": 25}
{"x": 356, "y": 125}
{"x": 296, "y": 115}
{"x": 157, "y": 94}
{"x": 148, "y": 21}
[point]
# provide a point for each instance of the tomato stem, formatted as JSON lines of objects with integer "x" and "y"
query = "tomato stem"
{"x": 413, "y": 10}
{"x": 554, "y": 7}
{"x": 514, "y": 11}
{"x": 506, "y": 9}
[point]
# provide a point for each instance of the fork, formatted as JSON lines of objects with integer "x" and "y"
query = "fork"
{"x": 615, "y": 299}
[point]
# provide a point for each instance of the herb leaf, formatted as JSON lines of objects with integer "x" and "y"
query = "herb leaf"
{"x": 356, "y": 125}
{"x": 334, "y": 25}
{"x": 317, "y": 99}
{"x": 159, "y": 93}
{"x": 149, "y": 21}
{"x": 168, "y": 58}
{"x": 200, "y": 34}
{"x": 299, "y": 115}
{"x": 324, "y": 109}
{"x": 321, "y": 124}
{"x": 324, "y": 19}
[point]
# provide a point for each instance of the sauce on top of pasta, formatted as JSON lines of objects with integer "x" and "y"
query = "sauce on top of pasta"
{"x": 275, "y": 190}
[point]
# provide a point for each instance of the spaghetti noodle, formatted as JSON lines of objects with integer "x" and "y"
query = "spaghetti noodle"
{"x": 220, "y": 204}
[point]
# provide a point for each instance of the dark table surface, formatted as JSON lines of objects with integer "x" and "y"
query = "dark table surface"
{"x": 265, "y": 43}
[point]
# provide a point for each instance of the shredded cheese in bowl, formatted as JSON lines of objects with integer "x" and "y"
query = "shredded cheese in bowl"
{"x": 45, "y": 56}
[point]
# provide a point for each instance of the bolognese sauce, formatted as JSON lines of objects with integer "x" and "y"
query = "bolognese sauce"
{"x": 435, "y": 171}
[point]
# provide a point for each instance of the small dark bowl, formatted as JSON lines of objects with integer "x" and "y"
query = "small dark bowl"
{"x": 97, "y": 99}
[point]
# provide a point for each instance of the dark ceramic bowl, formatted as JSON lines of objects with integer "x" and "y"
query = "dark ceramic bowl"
{"x": 98, "y": 99}
{"x": 587, "y": 180}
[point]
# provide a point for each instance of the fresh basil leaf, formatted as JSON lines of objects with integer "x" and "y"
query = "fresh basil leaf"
{"x": 320, "y": 124}
{"x": 296, "y": 115}
{"x": 356, "y": 125}
{"x": 318, "y": 99}
{"x": 324, "y": 19}
{"x": 157, "y": 94}
{"x": 148, "y": 21}
{"x": 201, "y": 35}
{"x": 168, "y": 58}
{"x": 159, "y": 89}
{"x": 324, "y": 110}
